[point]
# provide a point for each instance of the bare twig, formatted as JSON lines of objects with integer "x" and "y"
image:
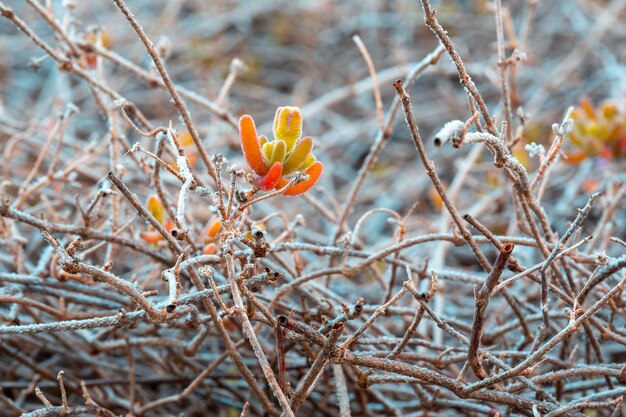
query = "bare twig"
{"x": 482, "y": 300}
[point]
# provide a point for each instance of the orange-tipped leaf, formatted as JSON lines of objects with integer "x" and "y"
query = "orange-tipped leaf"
{"x": 250, "y": 145}
{"x": 214, "y": 228}
{"x": 314, "y": 173}
{"x": 151, "y": 238}
{"x": 270, "y": 180}
{"x": 209, "y": 249}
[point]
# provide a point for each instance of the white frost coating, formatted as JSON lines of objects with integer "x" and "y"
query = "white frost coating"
{"x": 452, "y": 130}
{"x": 181, "y": 160}
{"x": 534, "y": 149}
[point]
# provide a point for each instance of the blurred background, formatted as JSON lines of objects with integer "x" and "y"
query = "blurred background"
{"x": 302, "y": 53}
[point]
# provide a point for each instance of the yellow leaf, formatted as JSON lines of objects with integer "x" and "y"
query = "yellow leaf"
{"x": 155, "y": 207}
{"x": 278, "y": 153}
{"x": 288, "y": 125}
{"x": 298, "y": 156}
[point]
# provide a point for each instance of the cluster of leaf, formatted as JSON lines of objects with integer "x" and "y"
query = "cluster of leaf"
{"x": 275, "y": 161}
{"x": 598, "y": 131}
{"x": 272, "y": 162}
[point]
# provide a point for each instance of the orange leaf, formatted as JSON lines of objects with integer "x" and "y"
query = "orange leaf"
{"x": 269, "y": 181}
{"x": 151, "y": 237}
{"x": 209, "y": 249}
{"x": 215, "y": 228}
{"x": 250, "y": 145}
{"x": 435, "y": 199}
{"x": 575, "y": 157}
{"x": 90, "y": 61}
{"x": 314, "y": 173}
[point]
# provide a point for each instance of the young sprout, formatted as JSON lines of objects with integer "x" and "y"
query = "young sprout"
{"x": 274, "y": 162}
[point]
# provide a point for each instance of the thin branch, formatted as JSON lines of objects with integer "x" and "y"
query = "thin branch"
{"x": 482, "y": 300}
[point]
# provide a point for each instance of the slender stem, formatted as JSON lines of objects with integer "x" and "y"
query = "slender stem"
{"x": 482, "y": 300}
{"x": 308, "y": 381}
{"x": 582, "y": 214}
